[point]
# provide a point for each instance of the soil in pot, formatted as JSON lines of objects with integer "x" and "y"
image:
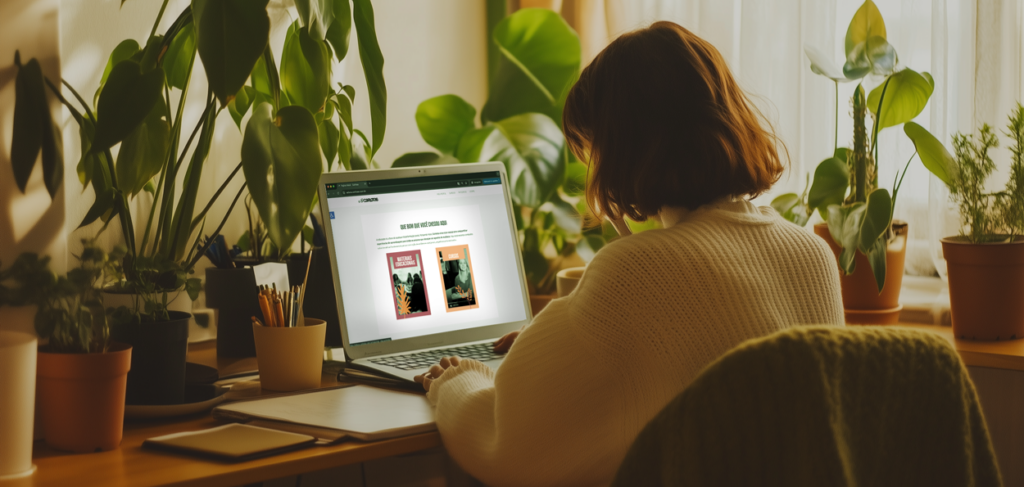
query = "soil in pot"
{"x": 232, "y": 292}
{"x": 986, "y": 287}
{"x": 157, "y": 376}
{"x": 81, "y": 398}
{"x": 860, "y": 291}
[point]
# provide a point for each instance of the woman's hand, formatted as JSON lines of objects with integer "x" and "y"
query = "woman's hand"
{"x": 436, "y": 371}
{"x": 504, "y": 343}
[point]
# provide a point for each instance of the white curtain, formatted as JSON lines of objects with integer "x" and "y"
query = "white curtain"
{"x": 973, "y": 48}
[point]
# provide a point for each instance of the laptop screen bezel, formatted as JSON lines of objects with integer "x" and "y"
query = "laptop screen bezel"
{"x": 437, "y": 339}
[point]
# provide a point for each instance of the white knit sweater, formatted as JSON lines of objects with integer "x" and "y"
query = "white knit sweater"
{"x": 651, "y": 311}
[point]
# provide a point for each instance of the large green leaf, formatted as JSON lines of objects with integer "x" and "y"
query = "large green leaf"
{"x": 281, "y": 161}
{"x": 831, "y": 180}
{"x": 791, "y": 207}
{"x": 933, "y": 154}
{"x": 532, "y": 148}
{"x": 877, "y": 215}
{"x": 876, "y": 259}
{"x": 305, "y": 69}
{"x": 866, "y": 23}
{"x": 127, "y": 98}
{"x": 178, "y": 58}
{"x": 144, "y": 151}
{"x": 413, "y": 159}
{"x": 443, "y": 119}
{"x": 230, "y": 36}
{"x": 906, "y": 95}
{"x": 844, "y": 224}
{"x": 125, "y": 50}
{"x": 874, "y": 56}
{"x": 34, "y": 130}
{"x": 540, "y": 61}
{"x": 316, "y": 16}
{"x": 823, "y": 65}
{"x": 338, "y": 33}
{"x": 373, "y": 70}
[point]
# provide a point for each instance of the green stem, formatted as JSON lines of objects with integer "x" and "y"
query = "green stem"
{"x": 214, "y": 197}
{"x": 159, "y": 16}
{"x": 216, "y": 232}
{"x": 836, "y": 148}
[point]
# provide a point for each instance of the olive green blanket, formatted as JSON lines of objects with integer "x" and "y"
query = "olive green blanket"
{"x": 822, "y": 406}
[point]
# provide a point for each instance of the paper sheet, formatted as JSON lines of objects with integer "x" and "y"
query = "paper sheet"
{"x": 270, "y": 273}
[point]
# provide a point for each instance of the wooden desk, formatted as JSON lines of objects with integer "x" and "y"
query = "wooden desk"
{"x": 1007, "y": 355}
{"x": 130, "y": 465}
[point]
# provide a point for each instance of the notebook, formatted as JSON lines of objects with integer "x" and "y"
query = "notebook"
{"x": 231, "y": 442}
{"x": 361, "y": 412}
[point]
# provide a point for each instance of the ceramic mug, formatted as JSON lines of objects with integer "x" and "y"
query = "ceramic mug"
{"x": 567, "y": 279}
{"x": 290, "y": 359}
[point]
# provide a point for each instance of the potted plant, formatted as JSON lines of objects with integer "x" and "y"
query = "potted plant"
{"x": 985, "y": 263}
{"x": 869, "y": 246}
{"x": 82, "y": 374}
{"x": 534, "y": 59}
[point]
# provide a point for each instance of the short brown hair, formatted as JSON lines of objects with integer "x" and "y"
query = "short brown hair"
{"x": 663, "y": 123}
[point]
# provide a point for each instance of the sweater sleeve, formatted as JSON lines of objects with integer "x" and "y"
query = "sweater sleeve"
{"x": 547, "y": 417}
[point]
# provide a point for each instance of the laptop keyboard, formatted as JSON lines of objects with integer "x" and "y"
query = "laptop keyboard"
{"x": 419, "y": 360}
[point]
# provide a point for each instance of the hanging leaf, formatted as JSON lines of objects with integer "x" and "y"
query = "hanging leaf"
{"x": 230, "y": 37}
{"x": 34, "y": 130}
{"x": 792, "y": 208}
{"x": 933, "y": 154}
{"x": 532, "y": 148}
{"x": 866, "y": 23}
{"x": 844, "y": 224}
{"x": 127, "y": 98}
{"x": 362, "y": 158}
{"x": 345, "y": 148}
{"x": 540, "y": 61}
{"x": 315, "y": 16}
{"x": 281, "y": 161}
{"x": 305, "y": 69}
{"x": 443, "y": 119}
{"x": 144, "y": 151}
{"x": 876, "y": 219}
{"x": 240, "y": 104}
{"x": 373, "y": 70}
{"x": 179, "y": 56}
{"x": 906, "y": 96}
{"x": 328, "y": 141}
{"x": 876, "y": 259}
{"x": 345, "y": 111}
{"x": 125, "y": 50}
{"x": 823, "y": 65}
{"x": 831, "y": 180}
{"x": 338, "y": 33}
{"x": 874, "y": 56}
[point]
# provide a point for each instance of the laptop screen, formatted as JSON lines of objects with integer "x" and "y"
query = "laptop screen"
{"x": 424, "y": 255}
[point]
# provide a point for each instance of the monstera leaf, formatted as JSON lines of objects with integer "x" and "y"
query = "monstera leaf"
{"x": 540, "y": 60}
{"x": 127, "y": 98}
{"x": 867, "y": 22}
{"x": 281, "y": 162}
{"x": 143, "y": 151}
{"x": 906, "y": 94}
{"x": 831, "y": 180}
{"x": 532, "y": 148}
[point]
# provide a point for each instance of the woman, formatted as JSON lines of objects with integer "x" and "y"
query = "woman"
{"x": 667, "y": 133}
{"x": 462, "y": 284}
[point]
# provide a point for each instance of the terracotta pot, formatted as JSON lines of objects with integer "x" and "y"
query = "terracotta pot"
{"x": 539, "y": 301}
{"x": 862, "y": 302}
{"x": 986, "y": 287}
{"x": 81, "y": 398}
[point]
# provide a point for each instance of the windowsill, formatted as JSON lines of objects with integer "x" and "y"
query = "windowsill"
{"x": 925, "y": 300}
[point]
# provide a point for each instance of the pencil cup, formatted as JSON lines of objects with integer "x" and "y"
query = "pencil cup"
{"x": 290, "y": 359}
{"x": 567, "y": 279}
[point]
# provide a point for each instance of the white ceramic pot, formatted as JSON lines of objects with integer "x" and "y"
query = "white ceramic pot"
{"x": 18, "y": 351}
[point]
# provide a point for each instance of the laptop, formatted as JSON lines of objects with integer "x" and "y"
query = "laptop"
{"x": 426, "y": 264}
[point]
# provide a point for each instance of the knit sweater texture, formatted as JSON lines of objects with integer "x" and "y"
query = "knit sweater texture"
{"x": 650, "y": 312}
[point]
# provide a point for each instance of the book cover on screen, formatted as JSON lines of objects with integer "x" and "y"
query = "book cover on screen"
{"x": 408, "y": 287}
{"x": 457, "y": 273}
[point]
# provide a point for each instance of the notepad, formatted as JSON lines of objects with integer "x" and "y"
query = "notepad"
{"x": 231, "y": 442}
{"x": 361, "y": 412}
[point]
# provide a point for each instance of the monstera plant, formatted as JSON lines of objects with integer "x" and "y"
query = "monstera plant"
{"x": 140, "y": 104}
{"x": 535, "y": 59}
{"x": 845, "y": 188}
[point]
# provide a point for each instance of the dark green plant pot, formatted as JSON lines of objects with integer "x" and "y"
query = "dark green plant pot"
{"x": 232, "y": 292}
{"x": 157, "y": 374}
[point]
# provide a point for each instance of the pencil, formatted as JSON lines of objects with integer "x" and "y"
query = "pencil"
{"x": 278, "y": 312}
{"x": 265, "y": 309}
{"x": 257, "y": 321}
